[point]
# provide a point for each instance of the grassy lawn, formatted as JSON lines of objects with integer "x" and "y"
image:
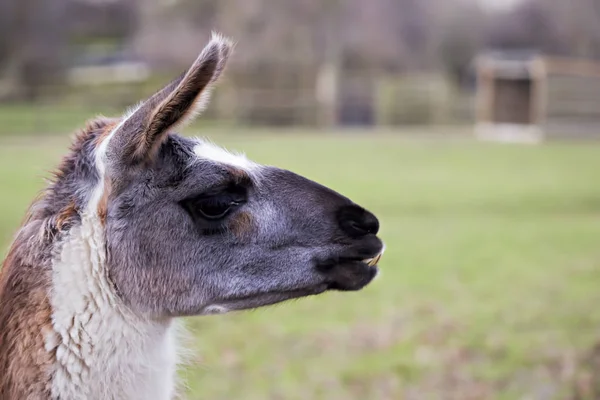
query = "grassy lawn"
{"x": 489, "y": 288}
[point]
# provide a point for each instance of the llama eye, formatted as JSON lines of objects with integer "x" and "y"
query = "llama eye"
{"x": 213, "y": 209}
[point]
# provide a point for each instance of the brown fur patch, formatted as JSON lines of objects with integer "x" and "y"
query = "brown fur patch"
{"x": 242, "y": 225}
{"x": 103, "y": 203}
{"x": 239, "y": 175}
{"x": 66, "y": 215}
{"x": 106, "y": 129}
{"x": 25, "y": 364}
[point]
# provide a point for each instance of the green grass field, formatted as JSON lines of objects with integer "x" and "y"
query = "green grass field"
{"x": 489, "y": 288}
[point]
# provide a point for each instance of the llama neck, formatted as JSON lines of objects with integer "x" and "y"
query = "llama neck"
{"x": 102, "y": 349}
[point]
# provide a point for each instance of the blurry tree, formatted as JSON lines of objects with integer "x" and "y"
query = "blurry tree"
{"x": 35, "y": 37}
{"x": 552, "y": 26}
{"x": 532, "y": 24}
{"x": 90, "y": 20}
{"x": 460, "y": 39}
{"x": 581, "y": 26}
{"x": 284, "y": 44}
{"x": 6, "y": 17}
{"x": 32, "y": 48}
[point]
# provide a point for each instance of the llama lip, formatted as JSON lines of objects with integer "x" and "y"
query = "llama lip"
{"x": 371, "y": 262}
{"x": 331, "y": 263}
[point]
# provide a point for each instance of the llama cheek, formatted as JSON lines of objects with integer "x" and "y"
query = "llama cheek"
{"x": 241, "y": 226}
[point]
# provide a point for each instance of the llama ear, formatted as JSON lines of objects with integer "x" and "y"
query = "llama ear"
{"x": 140, "y": 134}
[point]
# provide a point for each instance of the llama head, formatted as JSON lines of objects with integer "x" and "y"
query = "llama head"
{"x": 193, "y": 229}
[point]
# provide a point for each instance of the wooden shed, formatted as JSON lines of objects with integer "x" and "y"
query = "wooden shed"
{"x": 528, "y": 97}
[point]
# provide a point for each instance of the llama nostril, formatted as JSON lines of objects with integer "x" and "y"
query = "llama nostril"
{"x": 358, "y": 222}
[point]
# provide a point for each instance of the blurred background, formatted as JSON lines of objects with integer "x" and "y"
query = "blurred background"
{"x": 489, "y": 288}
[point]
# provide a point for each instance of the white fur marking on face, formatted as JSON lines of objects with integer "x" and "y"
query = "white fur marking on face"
{"x": 208, "y": 151}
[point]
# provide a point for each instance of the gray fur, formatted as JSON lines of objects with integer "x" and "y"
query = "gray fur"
{"x": 163, "y": 266}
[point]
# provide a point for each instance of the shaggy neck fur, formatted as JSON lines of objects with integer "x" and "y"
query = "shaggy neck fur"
{"x": 103, "y": 351}
{"x": 64, "y": 332}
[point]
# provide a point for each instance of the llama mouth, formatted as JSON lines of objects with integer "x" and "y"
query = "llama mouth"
{"x": 356, "y": 276}
{"x": 331, "y": 263}
{"x": 373, "y": 261}
{"x": 350, "y": 274}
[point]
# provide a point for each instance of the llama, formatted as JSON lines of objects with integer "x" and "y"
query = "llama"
{"x": 140, "y": 226}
